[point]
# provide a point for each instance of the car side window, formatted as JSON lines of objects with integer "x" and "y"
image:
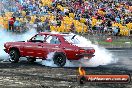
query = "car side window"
{"x": 38, "y": 38}
{"x": 53, "y": 40}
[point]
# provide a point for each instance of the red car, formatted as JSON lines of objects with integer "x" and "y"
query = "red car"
{"x": 40, "y": 45}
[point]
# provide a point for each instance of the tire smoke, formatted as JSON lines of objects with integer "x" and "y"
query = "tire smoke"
{"x": 12, "y": 37}
{"x": 49, "y": 60}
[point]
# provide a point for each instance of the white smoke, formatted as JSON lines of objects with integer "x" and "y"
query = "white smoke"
{"x": 12, "y": 37}
{"x": 49, "y": 60}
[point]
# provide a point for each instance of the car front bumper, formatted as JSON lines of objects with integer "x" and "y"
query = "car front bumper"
{"x": 85, "y": 56}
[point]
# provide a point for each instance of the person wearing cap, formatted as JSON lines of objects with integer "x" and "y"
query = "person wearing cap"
{"x": 11, "y": 23}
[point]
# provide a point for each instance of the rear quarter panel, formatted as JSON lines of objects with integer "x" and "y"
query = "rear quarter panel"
{"x": 71, "y": 51}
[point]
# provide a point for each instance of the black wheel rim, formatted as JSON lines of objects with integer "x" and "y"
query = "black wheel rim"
{"x": 12, "y": 56}
{"x": 59, "y": 60}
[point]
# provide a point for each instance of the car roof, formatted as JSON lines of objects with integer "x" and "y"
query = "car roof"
{"x": 53, "y": 33}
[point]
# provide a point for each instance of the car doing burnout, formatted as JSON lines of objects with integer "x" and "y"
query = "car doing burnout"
{"x": 39, "y": 46}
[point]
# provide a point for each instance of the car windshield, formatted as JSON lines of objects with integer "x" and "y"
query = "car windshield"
{"x": 72, "y": 39}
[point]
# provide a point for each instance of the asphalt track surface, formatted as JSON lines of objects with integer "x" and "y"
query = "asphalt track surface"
{"x": 27, "y": 75}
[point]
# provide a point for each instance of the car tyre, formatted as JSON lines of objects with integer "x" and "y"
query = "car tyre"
{"x": 14, "y": 56}
{"x": 59, "y": 59}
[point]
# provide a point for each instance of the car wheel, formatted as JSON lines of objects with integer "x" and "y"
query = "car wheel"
{"x": 14, "y": 56}
{"x": 59, "y": 59}
{"x": 31, "y": 59}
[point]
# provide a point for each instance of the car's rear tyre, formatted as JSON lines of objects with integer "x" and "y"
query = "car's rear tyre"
{"x": 31, "y": 60}
{"x": 14, "y": 56}
{"x": 59, "y": 59}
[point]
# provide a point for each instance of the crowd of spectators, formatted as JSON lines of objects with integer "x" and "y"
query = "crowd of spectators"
{"x": 100, "y": 16}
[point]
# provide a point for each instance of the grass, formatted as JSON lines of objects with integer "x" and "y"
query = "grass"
{"x": 118, "y": 43}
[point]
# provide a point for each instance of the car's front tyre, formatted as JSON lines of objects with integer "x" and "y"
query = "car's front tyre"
{"x": 14, "y": 56}
{"x": 59, "y": 59}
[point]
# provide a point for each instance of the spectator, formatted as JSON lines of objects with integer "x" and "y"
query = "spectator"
{"x": 17, "y": 25}
{"x": 46, "y": 25}
{"x": 72, "y": 28}
{"x": 58, "y": 19}
{"x": 117, "y": 19}
{"x": 11, "y": 23}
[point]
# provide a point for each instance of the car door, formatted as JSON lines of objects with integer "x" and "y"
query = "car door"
{"x": 53, "y": 43}
{"x": 29, "y": 49}
{"x": 35, "y": 47}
